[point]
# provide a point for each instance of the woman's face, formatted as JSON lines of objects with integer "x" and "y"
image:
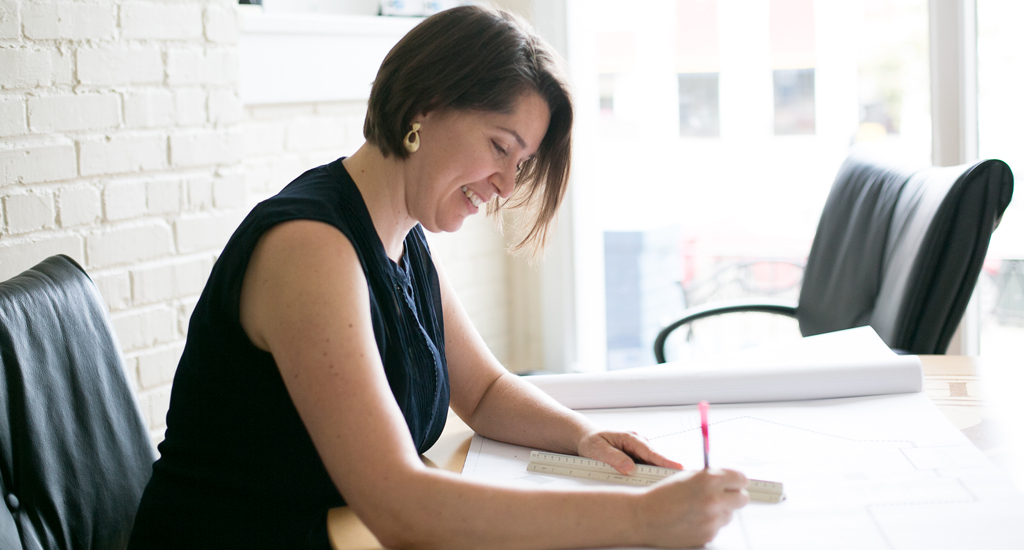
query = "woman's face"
{"x": 466, "y": 158}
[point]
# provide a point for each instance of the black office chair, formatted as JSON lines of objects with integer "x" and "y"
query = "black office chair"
{"x": 74, "y": 453}
{"x": 896, "y": 248}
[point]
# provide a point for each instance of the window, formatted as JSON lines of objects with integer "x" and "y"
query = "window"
{"x": 697, "y": 63}
{"x": 618, "y": 91}
{"x": 716, "y": 147}
{"x": 698, "y": 105}
{"x": 793, "y": 60}
{"x": 1000, "y": 114}
{"x": 794, "y": 101}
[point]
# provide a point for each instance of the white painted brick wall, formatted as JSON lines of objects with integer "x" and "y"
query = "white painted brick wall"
{"x": 122, "y": 153}
{"x": 78, "y": 21}
{"x": 200, "y": 192}
{"x": 26, "y": 68}
{"x": 79, "y": 206}
{"x": 21, "y": 254}
{"x": 145, "y": 327}
{"x": 149, "y": 108}
{"x": 204, "y": 231}
{"x": 168, "y": 280}
{"x": 124, "y": 200}
{"x": 224, "y": 107}
{"x": 221, "y": 24}
{"x": 198, "y": 66}
{"x": 91, "y": 94}
{"x": 29, "y": 212}
{"x": 12, "y": 116}
{"x": 206, "y": 147}
{"x": 116, "y": 289}
{"x": 73, "y": 112}
{"x": 316, "y": 133}
{"x": 36, "y": 163}
{"x": 163, "y": 196}
{"x": 113, "y": 67}
{"x": 229, "y": 189}
{"x": 263, "y": 138}
{"x": 156, "y": 368}
{"x": 126, "y": 244}
{"x": 10, "y": 19}
{"x": 152, "y": 20}
{"x": 189, "y": 106}
{"x": 123, "y": 144}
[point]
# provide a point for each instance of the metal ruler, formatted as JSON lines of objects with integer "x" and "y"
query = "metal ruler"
{"x": 588, "y": 468}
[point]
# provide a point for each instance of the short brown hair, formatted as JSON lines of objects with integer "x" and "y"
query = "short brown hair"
{"x": 478, "y": 58}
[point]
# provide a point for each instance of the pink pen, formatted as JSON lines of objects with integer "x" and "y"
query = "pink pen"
{"x": 704, "y": 429}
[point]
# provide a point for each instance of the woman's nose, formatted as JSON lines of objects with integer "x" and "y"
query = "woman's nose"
{"x": 506, "y": 180}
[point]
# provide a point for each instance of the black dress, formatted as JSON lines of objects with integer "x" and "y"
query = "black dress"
{"x": 238, "y": 468}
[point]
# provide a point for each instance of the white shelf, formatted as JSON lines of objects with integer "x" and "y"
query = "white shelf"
{"x": 301, "y": 58}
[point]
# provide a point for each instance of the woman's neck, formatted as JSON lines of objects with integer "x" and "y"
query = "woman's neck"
{"x": 381, "y": 182}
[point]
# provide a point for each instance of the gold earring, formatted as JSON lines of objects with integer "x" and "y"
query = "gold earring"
{"x": 412, "y": 139}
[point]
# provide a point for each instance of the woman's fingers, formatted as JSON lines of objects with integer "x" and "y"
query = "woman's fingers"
{"x": 617, "y": 459}
{"x": 634, "y": 445}
{"x": 620, "y": 449}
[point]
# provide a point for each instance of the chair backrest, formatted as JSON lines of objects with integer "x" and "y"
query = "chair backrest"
{"x": 74, "y": 453}
{"x": 901, "y": 249}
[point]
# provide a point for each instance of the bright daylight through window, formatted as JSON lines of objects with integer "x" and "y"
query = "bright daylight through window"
{"x": 715, "y": 131}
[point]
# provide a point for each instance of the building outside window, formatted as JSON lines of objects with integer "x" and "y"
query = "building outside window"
{"x": 728, "y": 132}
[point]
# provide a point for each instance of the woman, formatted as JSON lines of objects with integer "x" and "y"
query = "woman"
{"x": 327, "y": 346}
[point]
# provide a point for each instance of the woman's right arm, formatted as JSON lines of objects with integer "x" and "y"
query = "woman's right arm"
{"x": 305, "y": 300}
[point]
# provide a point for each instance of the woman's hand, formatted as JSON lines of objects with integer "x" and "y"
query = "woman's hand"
{"x": 621, "y": 449}
{"x": 687, "y": 509}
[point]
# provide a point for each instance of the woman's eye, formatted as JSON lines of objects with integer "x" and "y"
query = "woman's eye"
{"x": 499, "y": 149}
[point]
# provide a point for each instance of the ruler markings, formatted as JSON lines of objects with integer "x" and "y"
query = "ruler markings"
{"x": 644, "y": 475}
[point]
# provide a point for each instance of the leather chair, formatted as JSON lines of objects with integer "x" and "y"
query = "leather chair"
{"x": 897, "y": 248}
{"x": 74, "y": 453}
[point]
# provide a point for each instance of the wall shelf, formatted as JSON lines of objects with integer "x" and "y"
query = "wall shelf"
{"x": 302, "y": 58}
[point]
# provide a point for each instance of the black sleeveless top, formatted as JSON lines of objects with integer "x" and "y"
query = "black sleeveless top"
{"x": 238, "y": 468}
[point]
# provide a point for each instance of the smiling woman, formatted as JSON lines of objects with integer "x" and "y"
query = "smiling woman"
{"x": 328, "y": 333}
{"x": 433, "y": 68}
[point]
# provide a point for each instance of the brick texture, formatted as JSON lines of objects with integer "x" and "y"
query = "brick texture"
{"x": 25, "y": 68}
{"x": 79, "y": 206}
{"x": 162, "y": 21}
{"x": 120, "y": 66}
{"x": 12, "y": 117}
{"x": 10, "y": 19}
{"x": 29, "y": 212}
{"x": 73, "y": 112}
{"x": 122, "y": 153}
{"x": 38, "y": 163}
{"x": 125, "y": 145}
{"x": 79, "y": 21}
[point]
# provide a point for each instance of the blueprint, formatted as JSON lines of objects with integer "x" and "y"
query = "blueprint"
{"x": 878, "y": 472}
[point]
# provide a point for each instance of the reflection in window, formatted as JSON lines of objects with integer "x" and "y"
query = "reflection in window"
{"x": 698, "y": 105}
{"x": 606, "y": 89}
{"x": 616, "y": 58}
{"x": 698, "y": 67}
{"x": 793, "y": 62}
{"x": 794, "y": 101}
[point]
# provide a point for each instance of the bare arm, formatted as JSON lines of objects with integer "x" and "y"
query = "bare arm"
{"x": 305, "y": 300}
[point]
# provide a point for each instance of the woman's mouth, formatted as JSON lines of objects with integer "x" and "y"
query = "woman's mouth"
{"x": 473, "y": 197}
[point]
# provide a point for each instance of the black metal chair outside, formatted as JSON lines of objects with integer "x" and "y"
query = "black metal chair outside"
{"x": 897, "y": 248}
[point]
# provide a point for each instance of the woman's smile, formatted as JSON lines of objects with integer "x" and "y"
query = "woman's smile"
{"x": 473, "y": 197}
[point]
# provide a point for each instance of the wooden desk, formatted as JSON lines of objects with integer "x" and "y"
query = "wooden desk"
{"x": 950, "y": 381}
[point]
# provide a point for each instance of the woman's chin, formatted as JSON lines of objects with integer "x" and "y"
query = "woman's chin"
{"x": 446, "y": 226}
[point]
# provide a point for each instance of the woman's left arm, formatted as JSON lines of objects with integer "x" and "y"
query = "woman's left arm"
{"x": 502, "y": 406}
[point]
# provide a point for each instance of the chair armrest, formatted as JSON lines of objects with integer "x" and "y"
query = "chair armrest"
{"x": 762, "y": 305}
